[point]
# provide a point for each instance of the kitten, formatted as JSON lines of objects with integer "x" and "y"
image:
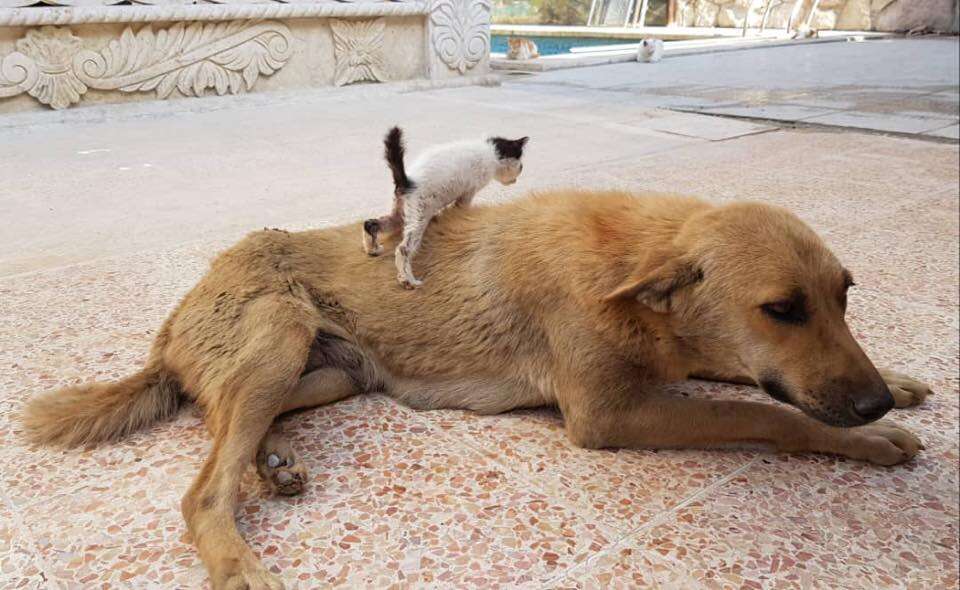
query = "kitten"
{"x": 443, "y": 175}
{"x": 650, "y": 50}
{"x": 520, "y": 48}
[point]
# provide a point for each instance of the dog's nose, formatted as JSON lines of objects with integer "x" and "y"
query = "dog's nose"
{"x": 873, "y": 407}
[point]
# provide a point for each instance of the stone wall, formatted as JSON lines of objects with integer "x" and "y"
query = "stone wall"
{"x": 99, "y": 51}
{"x": 864, "y": 15}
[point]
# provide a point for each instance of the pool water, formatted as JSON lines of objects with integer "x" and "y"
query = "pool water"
{"x": 555, "y": 45}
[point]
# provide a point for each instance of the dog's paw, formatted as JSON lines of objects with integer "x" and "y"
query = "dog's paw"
{"x": 375, "y": 251}
{"x": 906, "y": 391}
{"x": 883, "y": 443}
{"x": 252, "y": 577}
{"x": 279, "y": 466}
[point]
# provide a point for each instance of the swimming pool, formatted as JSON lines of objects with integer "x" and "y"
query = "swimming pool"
{"x": 555, "y": 45}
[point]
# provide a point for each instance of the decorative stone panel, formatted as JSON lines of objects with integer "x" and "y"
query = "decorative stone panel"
{"x": 190, "y": 58}
{"x": 69, "y": 52}
{"x": 461, "y": 33}
{"x": 358, "y": 47}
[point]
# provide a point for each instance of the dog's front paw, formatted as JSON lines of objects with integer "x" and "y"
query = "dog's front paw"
{"x": 906, "y": 391}
{"x": 882, "y": 443}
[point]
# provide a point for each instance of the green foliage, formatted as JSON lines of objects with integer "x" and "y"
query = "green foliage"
{"x": 562, "y": 12}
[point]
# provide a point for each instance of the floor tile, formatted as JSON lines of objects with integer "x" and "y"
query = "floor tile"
{"x": 621, "y": 488}
{"x": 778, "y": 112}
{"x": 880, "y": 121}
{"x": 20, "y": 566}
{"x": 950, "y": 132}
{"x": 804, "y": 523}
{"x": 709, "y": 128}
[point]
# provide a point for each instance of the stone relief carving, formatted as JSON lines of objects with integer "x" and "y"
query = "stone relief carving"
{"x": 358, "y": 49}
{"x": 227, "y": 57}
{"x": 49, "y": 55}
{"x": 461, "y": 32}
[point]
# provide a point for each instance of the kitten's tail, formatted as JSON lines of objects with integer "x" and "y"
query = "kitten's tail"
{"x": 393, "y": 152}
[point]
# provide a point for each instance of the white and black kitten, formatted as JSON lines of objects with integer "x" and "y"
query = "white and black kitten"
{"x": 443, "y": 175}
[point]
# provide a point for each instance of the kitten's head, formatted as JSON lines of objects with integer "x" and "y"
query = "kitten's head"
{"x": 509, "y": 153}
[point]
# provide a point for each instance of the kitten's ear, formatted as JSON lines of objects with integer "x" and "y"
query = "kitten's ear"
{"x": 508, "y": 148}
{"x": 523, "y": 141}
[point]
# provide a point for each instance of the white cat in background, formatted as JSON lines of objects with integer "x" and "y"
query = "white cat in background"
{"x": 650, "y": 50}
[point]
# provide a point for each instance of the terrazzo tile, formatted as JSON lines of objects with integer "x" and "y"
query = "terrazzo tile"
{"x": 826, "y": 179}
{"x": 795, "y": 523}
{"x": 125, "y": 532}
{"x": 916, "y": 340}
{"x": 20, "y": 567}
{"x": 431, "y": 510}
{"x": 390, "y": 502}
{"x": 912, "y": 253}
{"x": 398, "y": 498}
{"x": 622, "y": 488}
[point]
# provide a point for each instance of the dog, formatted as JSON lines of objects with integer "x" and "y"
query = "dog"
{"x": 589, "y": 301}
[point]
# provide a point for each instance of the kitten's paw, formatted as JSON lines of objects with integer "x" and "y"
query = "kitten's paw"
{"x": 370, "y": 230}
{"x": 409, "y": 282}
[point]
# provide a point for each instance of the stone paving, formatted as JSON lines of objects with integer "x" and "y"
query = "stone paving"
{"x": 111, "y": 215}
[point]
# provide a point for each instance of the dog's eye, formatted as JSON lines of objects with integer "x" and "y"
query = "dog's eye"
{"x": 788, "y": 311}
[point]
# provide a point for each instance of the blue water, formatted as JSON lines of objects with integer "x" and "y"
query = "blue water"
{"x": 555, "y": 45}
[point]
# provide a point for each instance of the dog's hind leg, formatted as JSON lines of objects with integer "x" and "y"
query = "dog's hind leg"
{"x": 276, "y": 461}
{"x": 245, "y": 399}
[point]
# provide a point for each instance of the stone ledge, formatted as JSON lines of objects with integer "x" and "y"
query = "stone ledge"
{"x": 33, "y": 16}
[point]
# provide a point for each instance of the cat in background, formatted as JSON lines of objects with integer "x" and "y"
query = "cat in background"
{"x": 650, "y": 50}
{"x": 520, "y": 48}
{"x": 448, "y": 174}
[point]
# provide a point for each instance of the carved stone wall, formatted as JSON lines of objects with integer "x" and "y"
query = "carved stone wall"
{"x": 61, "y": 57}
{"x": 460, "y": 37}
{"x": 864, "y": 15}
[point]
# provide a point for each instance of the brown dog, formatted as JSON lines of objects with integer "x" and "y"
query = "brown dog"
{"x": 587, "y": 301}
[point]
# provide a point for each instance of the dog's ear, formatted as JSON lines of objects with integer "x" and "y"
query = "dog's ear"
{"x": 657, "y": 289}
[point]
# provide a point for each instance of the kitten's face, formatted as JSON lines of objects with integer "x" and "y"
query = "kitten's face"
{"x": 509, "y": 154}
{"x": 508, "y": 170}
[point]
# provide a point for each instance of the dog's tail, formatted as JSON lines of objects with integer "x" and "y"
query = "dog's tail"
{"x": 393, "y": 152}
{"x": 84, "y": 415}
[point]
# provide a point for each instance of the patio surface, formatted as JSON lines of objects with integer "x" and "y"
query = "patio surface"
{"x": 111, "y": 215}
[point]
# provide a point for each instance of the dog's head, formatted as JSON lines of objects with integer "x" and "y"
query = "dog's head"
{"x": 751, "y": 289}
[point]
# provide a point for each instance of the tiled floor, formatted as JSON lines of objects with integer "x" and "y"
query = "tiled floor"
{"x": 448, "y": 499}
